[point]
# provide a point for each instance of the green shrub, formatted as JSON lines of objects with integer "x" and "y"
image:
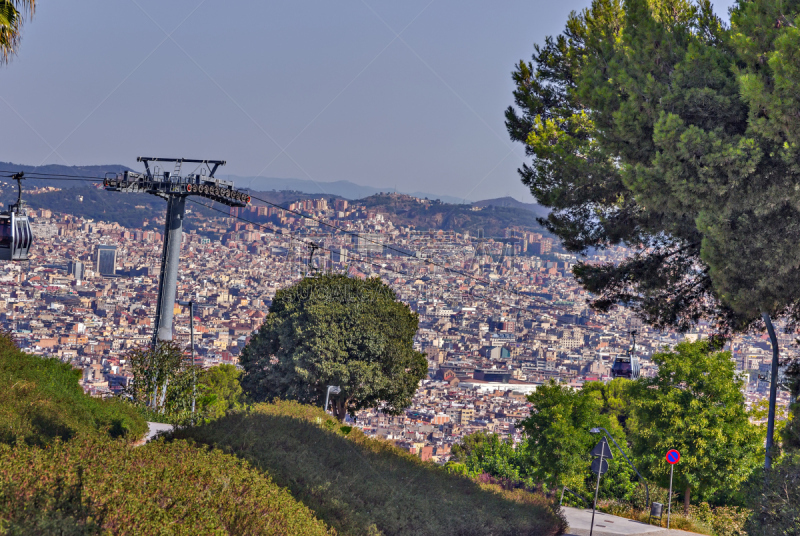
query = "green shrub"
{"x": 92, "y": 485}
{"x": 702, "y": 518}
{"x": 362, "y": 486}
{"x": 41, "y": 400}
{"x": 723, "y": 520}
{"x": 775, "y": 499}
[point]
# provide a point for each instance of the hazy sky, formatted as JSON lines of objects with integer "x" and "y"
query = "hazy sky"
{"x": 408, "y": 94}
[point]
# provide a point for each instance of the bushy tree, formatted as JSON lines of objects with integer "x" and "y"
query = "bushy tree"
{"x": 559, "y": 440}
{"x": 774, "y": 495}
{"x": 489, "y": 453}
{"x": 695, "y": 405}
{"x": 774, "y": 498}
{"x": 336, "y": 330}
{"x": 163, "y": 381}
{"x": 218, "y": 391}
{"x": 791, "y": 431}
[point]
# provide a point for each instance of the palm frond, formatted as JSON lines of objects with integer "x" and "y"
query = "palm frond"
{"x": 12, "y": 14}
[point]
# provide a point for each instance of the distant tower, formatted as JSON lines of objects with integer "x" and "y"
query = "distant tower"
{"x": 107, "y": 260}
{"x": 76, "y": 269}
{"x": 339, "y": 256}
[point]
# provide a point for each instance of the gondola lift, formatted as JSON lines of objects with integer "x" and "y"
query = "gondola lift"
{"x": 16, "y": 236}
{"x": 627, "y": 366}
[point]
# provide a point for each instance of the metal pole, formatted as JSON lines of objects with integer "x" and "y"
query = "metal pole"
{"x": 646, "y": 487}
{"x": 191, "y": 340}
{"x": 669, "y": 500}
{"x": 597, "y": 489}
{"x": 167, "y": 287}
{"x": 773, "y": 390}
{"x": 327, "y": 394}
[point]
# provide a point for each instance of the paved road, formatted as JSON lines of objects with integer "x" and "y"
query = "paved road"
{"x": 605, "y": 525}
{"x": 155, "y": 428}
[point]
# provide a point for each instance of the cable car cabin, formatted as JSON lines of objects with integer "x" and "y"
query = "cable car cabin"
{"x": 626, "y": 367}
{"x": 16, "y": 237}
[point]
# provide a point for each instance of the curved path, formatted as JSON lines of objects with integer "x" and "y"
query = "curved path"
{"x": 608, "y": 525}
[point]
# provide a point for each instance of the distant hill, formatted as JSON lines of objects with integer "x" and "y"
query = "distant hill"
{"x": 285, "y": 197}
{"x": 346, "y": 189}
{"x": 55, "y": 169}
{"x": 537, "y": 209}
{"x": 87, "y": 200}
{"x": 493, "y": 219}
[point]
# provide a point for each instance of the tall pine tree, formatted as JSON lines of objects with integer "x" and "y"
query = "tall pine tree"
{"x": 653, "y": 125}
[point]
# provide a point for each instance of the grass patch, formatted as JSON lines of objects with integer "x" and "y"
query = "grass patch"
{"x": 41, "y": 400}
{"x": 362, "y": 486}
{"x": 93, "y": 485}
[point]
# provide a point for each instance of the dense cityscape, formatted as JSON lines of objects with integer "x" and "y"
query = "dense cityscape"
{"x": 498, "y": 315}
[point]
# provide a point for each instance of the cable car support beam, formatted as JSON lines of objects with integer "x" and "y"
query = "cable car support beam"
{"x": 174, "y": 189}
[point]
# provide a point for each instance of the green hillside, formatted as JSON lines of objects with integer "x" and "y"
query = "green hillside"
{"x": 67, "y": 466}
{"x": 41, "y": 401}
{"x": 98, "y": 486}
{"x": 362, "y": 486}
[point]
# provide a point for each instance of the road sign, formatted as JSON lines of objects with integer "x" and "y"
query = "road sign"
{"x": 596, "y": 466}
{"x": 602, "y": 448}
{"x": 673, "y": 456}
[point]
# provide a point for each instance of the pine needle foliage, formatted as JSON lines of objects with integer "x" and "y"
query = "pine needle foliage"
{"x": 654, "y": 125}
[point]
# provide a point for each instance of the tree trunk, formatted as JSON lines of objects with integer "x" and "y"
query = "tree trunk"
{"x": 773, "y": 391}
{"x": 339, "y": 408}
{"x": 687, "y": 495}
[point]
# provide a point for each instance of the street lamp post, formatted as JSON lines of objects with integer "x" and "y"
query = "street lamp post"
{"x": 335, "y": 389}
{"x": 646, "y": 488}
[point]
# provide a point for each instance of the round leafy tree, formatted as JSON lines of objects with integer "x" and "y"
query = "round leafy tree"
{"x": 336, "y": 330}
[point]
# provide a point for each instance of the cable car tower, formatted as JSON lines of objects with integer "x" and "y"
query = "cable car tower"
{"x": 174, "y": 188}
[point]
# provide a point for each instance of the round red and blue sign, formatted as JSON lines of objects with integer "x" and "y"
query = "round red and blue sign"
{"x": 673, "y": 456}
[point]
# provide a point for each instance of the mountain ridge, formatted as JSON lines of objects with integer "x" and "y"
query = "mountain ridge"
{"x": 342, "y": 188}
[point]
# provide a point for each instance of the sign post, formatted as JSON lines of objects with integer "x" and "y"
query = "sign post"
{"x": 599, "y": 466}
{"x": 673, "y": 457}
